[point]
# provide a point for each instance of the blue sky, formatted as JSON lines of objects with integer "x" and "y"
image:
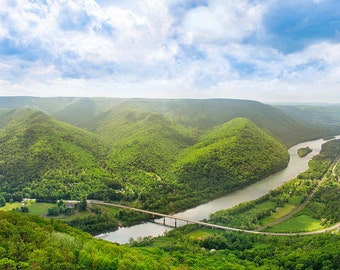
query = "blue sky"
{"x": 270, "y": 50}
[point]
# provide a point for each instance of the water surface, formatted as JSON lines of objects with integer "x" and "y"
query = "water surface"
{"x": 295, "y": 166}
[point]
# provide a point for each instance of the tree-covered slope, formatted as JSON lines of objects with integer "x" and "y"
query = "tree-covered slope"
{"x": 231, "y": 156}
{"x": 206, "y": 114}
{"x": 141, "y": 139}
{"x": 73, "y": 110}
{"x": 43, "y": 158}
{"x": 31, "y": 242}
{"x": 201, "y": 115}
{"x": 47, "y": 159}
{"x": 129, "y": 150}
{"x": 327, "y": 115}
{"x": 144, "y": 144}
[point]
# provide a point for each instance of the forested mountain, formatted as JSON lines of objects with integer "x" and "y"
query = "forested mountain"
{"x": 328, "y": 115}
{"x": 163, "y": 155}
{"x": 142, "y": 140}
{"x": 153, "y": 153}
{"x": 201, "y": 115}
{"x": 206, "y": 114}
{"x": 47, "y": 159}
{"x": 232, "y": 155}
{"x": 43, "y": 158}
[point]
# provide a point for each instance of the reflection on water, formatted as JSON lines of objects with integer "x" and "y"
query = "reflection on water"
{"x": 296, "y": 165}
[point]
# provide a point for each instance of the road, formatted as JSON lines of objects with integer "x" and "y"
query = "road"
{"x": 213, "y": 226}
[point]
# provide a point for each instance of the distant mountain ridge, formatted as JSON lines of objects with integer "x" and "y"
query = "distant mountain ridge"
{"x": 150, "y": 152}
{"x": 201, "y": 115}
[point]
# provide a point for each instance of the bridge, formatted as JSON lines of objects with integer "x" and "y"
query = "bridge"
{"x": 208, "y": 225}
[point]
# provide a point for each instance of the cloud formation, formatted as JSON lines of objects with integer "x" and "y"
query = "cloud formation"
{"x": 266, "y": 50}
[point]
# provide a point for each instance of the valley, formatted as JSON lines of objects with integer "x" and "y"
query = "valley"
{"x": 165, "y": 156}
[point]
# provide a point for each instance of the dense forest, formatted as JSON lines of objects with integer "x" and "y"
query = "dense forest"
{"x": 138, "y": 155}
{"x": 163, "y": 155}
{"x": 30, "y": 242}
{"x": 48, "y": 160}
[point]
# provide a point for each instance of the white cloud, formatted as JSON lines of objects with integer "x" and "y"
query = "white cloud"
{"x": 220, "y": 22}
{"x": 143, "y": 49}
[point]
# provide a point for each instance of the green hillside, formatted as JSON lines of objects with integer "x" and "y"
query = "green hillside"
{"x": 204, "y": 115}
{"x": 30, "y": 242}
{"x": 46, "y": 159}
{"x": 201, "y": 115}
{"x": 134, "y": 161}
{"x": 141, "y": 139}
{"x": 151, "y": 152}
{"x": 325, "y": 115}
{"x": 152, "y": 147}
{"x": 143, "y": 146}
{"x": 233, "y": 155}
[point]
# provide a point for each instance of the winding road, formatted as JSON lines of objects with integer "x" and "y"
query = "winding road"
{"x": 209, "y": 225}
{"x": 215, "y": 226}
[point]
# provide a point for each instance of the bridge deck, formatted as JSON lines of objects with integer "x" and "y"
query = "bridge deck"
{"x": 205, "y": 224}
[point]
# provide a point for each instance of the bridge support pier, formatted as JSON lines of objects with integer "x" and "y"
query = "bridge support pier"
{"x": 164, "y": 221}
{"x": 175, "y": 223}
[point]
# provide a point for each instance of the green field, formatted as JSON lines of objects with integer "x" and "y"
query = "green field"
{"x": 200, "y": 234}
{"x": 298, "y": 223}
{"x": 33, "y": 207}
{"x": 281, "y": 212}
{"x": 39, "y": 209}
{"x": 10, "y": 206}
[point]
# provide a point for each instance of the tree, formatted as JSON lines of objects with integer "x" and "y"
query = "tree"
{"x": 2, "y": 201}
{"x": 24, "y": 209}
{"x": 83, "y": 204}
{"x": 6, "y": 263}
{"x": 54, "y": 211}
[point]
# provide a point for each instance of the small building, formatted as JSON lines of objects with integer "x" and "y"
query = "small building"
{"x": 71, "y": 204}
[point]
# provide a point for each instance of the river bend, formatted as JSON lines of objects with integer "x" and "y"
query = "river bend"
{"x": 295, "y": 166}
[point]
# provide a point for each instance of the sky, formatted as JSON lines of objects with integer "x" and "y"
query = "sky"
{"x": 269, "y": 50}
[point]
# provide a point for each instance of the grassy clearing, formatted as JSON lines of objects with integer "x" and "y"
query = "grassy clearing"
{"x": 34, "y": 208}
{"x": 10, "y": 206}
{"x": 259, "y": 208}
{"x": 200, "y": 234}
{"x": 39, "y": 209}
{"x": 298, "y": 223}
{"x": 109, "y": 209}
{"x": 281, "y": 212}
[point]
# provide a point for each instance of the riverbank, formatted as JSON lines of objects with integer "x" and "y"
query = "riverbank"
{"x": 295, "y": 166}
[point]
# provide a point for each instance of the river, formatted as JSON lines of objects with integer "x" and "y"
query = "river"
{"x": 295, "y": 166}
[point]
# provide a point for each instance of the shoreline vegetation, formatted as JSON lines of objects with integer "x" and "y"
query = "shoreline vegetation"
{"x": 162, "y": 155}
{"x": 258, "y": 214}
{"x": 51, "y": 244}
{"x": 302, "y": 152}
{"x": 307, "y": 203}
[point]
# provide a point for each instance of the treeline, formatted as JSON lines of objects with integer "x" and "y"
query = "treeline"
{"x": 30, "y": 242}
{"x": 229, "y": 250}
{"x": 142, "y": 159}
{"x": 302, "y": 152}
{"x": 325, "y": 204}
